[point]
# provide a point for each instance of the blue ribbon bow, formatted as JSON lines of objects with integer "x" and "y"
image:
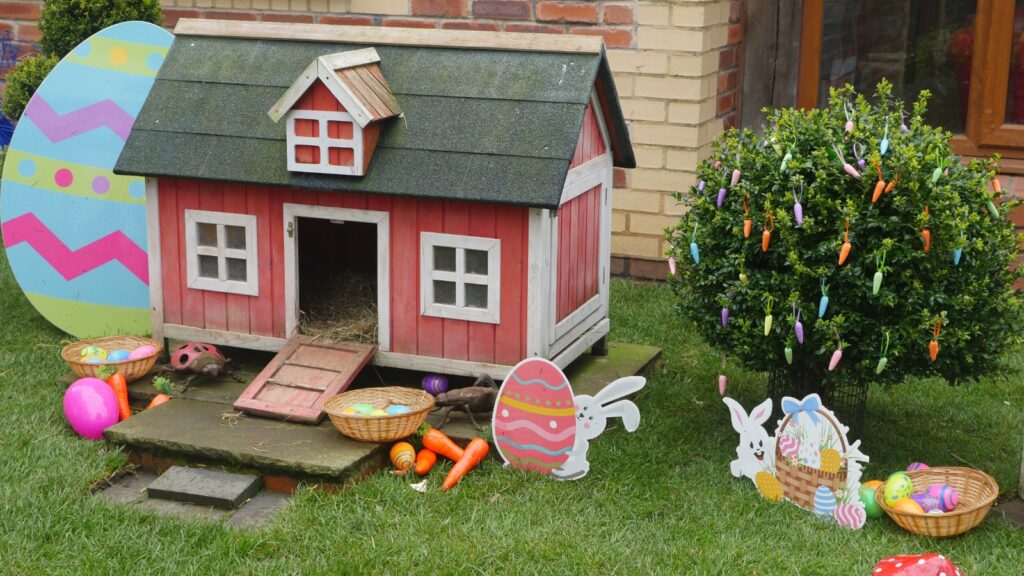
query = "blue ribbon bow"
{"x": 807, "y": 406}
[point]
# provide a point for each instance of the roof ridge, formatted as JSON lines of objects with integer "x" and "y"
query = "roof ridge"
{"x": 373, "y": 35}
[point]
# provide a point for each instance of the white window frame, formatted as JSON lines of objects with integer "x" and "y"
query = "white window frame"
{"x": 193, "y": 251}
{"x": 324, "y": 143}
{"x": 428, "y": 307}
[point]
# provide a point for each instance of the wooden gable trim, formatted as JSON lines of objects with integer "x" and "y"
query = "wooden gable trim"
{"x": 372, "y": 35}
{"x": 323, "y": 68}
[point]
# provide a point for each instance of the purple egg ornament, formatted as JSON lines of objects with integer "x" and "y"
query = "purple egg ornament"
{"x": 435, "y": 384}
{"x": 90, "y": 407}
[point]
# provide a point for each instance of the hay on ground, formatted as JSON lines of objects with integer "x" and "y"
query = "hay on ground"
{"x": 340, "y": 308}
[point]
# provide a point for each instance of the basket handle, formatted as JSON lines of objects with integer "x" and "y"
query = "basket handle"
{"x": 831, "y": 420}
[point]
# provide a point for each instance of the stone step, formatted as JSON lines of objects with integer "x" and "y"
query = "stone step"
{"x": 204, "y": 487}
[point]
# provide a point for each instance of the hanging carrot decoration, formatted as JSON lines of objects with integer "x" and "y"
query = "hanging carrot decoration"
{"x": 846, "y": 165}
{"x": 722, "y": 380}
{"x": 785, "y": 161}
{"x": 903, "y": 123}
{"x": 883, "y": 146}
{"x": 743, "y": 278}
{"x": 844, "y": 252}
{"x": 694, "y": 250}
{"x": 991, "y": 205}
{"x": 768, "y": 315}
{"x": 725, "y": 317}
{"x": 672, "y": 265}
{"x": 879, "y": 186}
{"x": 798, "y": 326}
{"x": 721, "y": 197}
{"x": 883, "y": 359}
{"x": 926, "y": 234}
{"x": 858, "y": 151}
{"x": 933, "y": 346}
{"x": 892, "y": 183}
{"x": 848, "y": 110}
{"x": 837, "y": 355}
{"x": 700, "y": 186}
{"x": 766, "y": 235}
{"x": 788, "y": 351}
{"x": 735, "y": 173}
{"x": 747, "y": 222}
{"x": 876, "y": 283}
{"x": 958, "y": 252}
{"x": 936, "y": 174}
{"x": 798, "y": 208}
{"x": 823, "y": 303}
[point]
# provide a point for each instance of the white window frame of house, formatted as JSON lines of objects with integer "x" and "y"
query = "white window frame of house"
{"x": 193, "y": 251}
{"x": 323, "y": 142}
{"x": 459, "y": 311}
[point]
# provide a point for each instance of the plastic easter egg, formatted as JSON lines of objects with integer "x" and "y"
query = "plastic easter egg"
{"x": 534, "y": 420}
{"x": 90, "y": 407}
{"x": 94, "y": 360}
{"x": 144, "y": 351}
{"x": 75, "y": 232}
{"x": 871, "y": 507}
{"x": 906, "y": 505}
{"x": 873, "y": 484}
{"x": 361, "y": 408}
{"x": 947, "y": 495}
{"x": 926, "y": 502}
{"x": 824, "y": 501}
{"x": 789, "y": 446}
{"x": 349, "y": 410}
{"x": 118, "y": 356}
{"x": 378, "y": 412}
{"x": 397, "y": 409}
{"x": 850, "y": 516}
{"x": 403, "y": 456}
{"x": 435, "y": 384}
{"x": 897, "y": 486}
{"x": 914, "y": 466}
{"x": 95, "y": 351}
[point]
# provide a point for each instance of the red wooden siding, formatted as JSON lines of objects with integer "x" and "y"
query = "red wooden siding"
{"x": 411, "y": 333}
{"x": 579, "y": 230}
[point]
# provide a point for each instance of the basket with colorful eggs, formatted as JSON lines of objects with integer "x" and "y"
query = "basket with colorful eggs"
{"x": 806, "y": 466}
{"x": 379, "y": 414}
{"x": 132, "y": 356}
{"x": 937, "y": 502}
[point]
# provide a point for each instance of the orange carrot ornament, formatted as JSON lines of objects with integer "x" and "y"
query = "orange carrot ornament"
{"x": 844, "y": 252}
{"x": 475, "y": 452}
{"x": 769, "y": 227}
{"x": 933, "y": 346}
{"x": 892, "y": 183}
{"x": 747, "y": 222}
{"x": 879, "y": 186}
{"x": 991, "y": 205}
{"x": 926, "y": 234}
{"x": 425, "y": 460}
{"x": 163, "y": 386}
{"x": 119, "y": 385}
{"x": 440, "y": 443}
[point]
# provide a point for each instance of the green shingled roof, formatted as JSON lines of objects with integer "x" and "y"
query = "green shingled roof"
{"x": 478, "y": 124}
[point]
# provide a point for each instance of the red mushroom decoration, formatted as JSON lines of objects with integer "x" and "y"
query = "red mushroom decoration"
{"x": 933, "y": 564}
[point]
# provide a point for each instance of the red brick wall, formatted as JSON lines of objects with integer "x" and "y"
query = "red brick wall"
{"x": 19, "y": 18}
{"x": 730, "y": 66}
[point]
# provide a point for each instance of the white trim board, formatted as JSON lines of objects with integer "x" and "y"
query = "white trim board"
{"x": 440, "y": 365}
{"x": 323, "y": 142}
{"x": 539, "y": 281}
{"x": 224, "y": 338}
{"x": 154, "y": 249}
{"x": 460, "y": 277}
{"x": 222, "y": 252}
{"x": 323, "y": 68}
{"x": 580, "y": 345}
{"x": 585, "y": 177}
{"x": 292, "y": 212}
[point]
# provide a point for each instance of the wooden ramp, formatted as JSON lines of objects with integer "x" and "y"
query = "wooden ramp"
{"x": 302, "y": 377}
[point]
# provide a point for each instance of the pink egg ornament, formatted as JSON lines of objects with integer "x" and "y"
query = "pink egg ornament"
{"x": 915, "y": 466}
{"x": 947, "y": 495}
{"x": 144, "y": 351}
{"x": 789, "y": 446}
{"x": 534, "y": 420}
{"x": 850, "y": 516}
{"x": 90, "y": 407}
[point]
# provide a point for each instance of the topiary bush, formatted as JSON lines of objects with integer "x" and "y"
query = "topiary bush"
{"x": 937, "y": 243}
{"x": 65, "y": 23}
{"x": 23, "y": 80}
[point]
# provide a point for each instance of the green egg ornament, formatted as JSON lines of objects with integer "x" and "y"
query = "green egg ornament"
{"x": 95, "y": 351}
{"x": 362, "y": 408}
{"x": 897, "y": 486}
{"x": 378, "y": 412}
{"x": 871, "y": 507}
{"x": 743, "y": 278}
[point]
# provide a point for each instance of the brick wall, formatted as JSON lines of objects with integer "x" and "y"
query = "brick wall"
{"x": 676, "y": 65}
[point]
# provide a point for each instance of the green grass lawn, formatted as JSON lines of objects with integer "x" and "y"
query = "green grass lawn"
{"x": 659, "y": 500}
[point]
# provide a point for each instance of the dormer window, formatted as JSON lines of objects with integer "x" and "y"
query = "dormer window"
{"x": 333, "y": 113}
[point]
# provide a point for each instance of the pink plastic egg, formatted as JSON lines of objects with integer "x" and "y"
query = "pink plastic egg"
{"x": 534, "y": 419}
{"x": 90, "y": 407}
{"x": 144, "y": 351}
{"x": 947, "y": 495}
{"x": 914, "y": 466}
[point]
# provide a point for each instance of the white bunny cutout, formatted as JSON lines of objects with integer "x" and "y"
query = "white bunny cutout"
{"x": 592, "y": 414}
{"x": 756, "y": 449}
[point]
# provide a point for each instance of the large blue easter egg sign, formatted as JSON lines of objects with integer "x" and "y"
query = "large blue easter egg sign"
{"x": 75, "y": 232}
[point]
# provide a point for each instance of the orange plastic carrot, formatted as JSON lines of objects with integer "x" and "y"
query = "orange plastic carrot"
{"x": 844, "y": 252}
{"x": 440, "y": 443}
{"x": 474, "y": 454}
{"x": 926, "y": 235}
{"x": 766, "y": 236}
{"x": 747, "y": 223}
{"x": 158, "y": 400}
{"x": 933, "y": 346}
{"x": 879, "y": 188}
{"x": 892, "y": 183}
{"x": 120, "y": 387}
{"x": 425, "y": 460}
{"x": 997, "y": 186}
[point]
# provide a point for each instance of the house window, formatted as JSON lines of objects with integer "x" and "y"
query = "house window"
{"x": 220, "y": 249}
{"x": 460, "y": 277}
{"x": 324, "y": 142}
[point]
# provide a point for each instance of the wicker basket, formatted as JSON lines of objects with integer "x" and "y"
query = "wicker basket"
{"x": 799, "y": 481}
{"x": 131, "y": 369}
{"x": 380, "y": 428}
{"x": 978, "y": 491}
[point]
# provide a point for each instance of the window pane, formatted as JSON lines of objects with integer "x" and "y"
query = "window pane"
{"x": 235, "y": 237}
{"x": 916, "y": 45}
{"x": 236, "y": 269}
{"x": 476, "y": 261}
{"x": 208, "y": 266}
{"x": 206, "y": 234}
{"x": 476, "y": 296}
{"x": 444, "y": 292}
{"x": 1015, "y": 91}
{"x": 444, "y": 259}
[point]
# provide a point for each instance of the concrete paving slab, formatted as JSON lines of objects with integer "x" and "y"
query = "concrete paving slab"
{"x": 129, "y": 488}
{"x": 1013, "y": 511}
{"x": 204, "y": 487}
{"x": 259, "y": 511}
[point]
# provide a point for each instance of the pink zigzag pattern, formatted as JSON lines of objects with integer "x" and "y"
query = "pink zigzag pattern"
{"x": 73, "y": 263}
{"x": 59, "y": 127}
